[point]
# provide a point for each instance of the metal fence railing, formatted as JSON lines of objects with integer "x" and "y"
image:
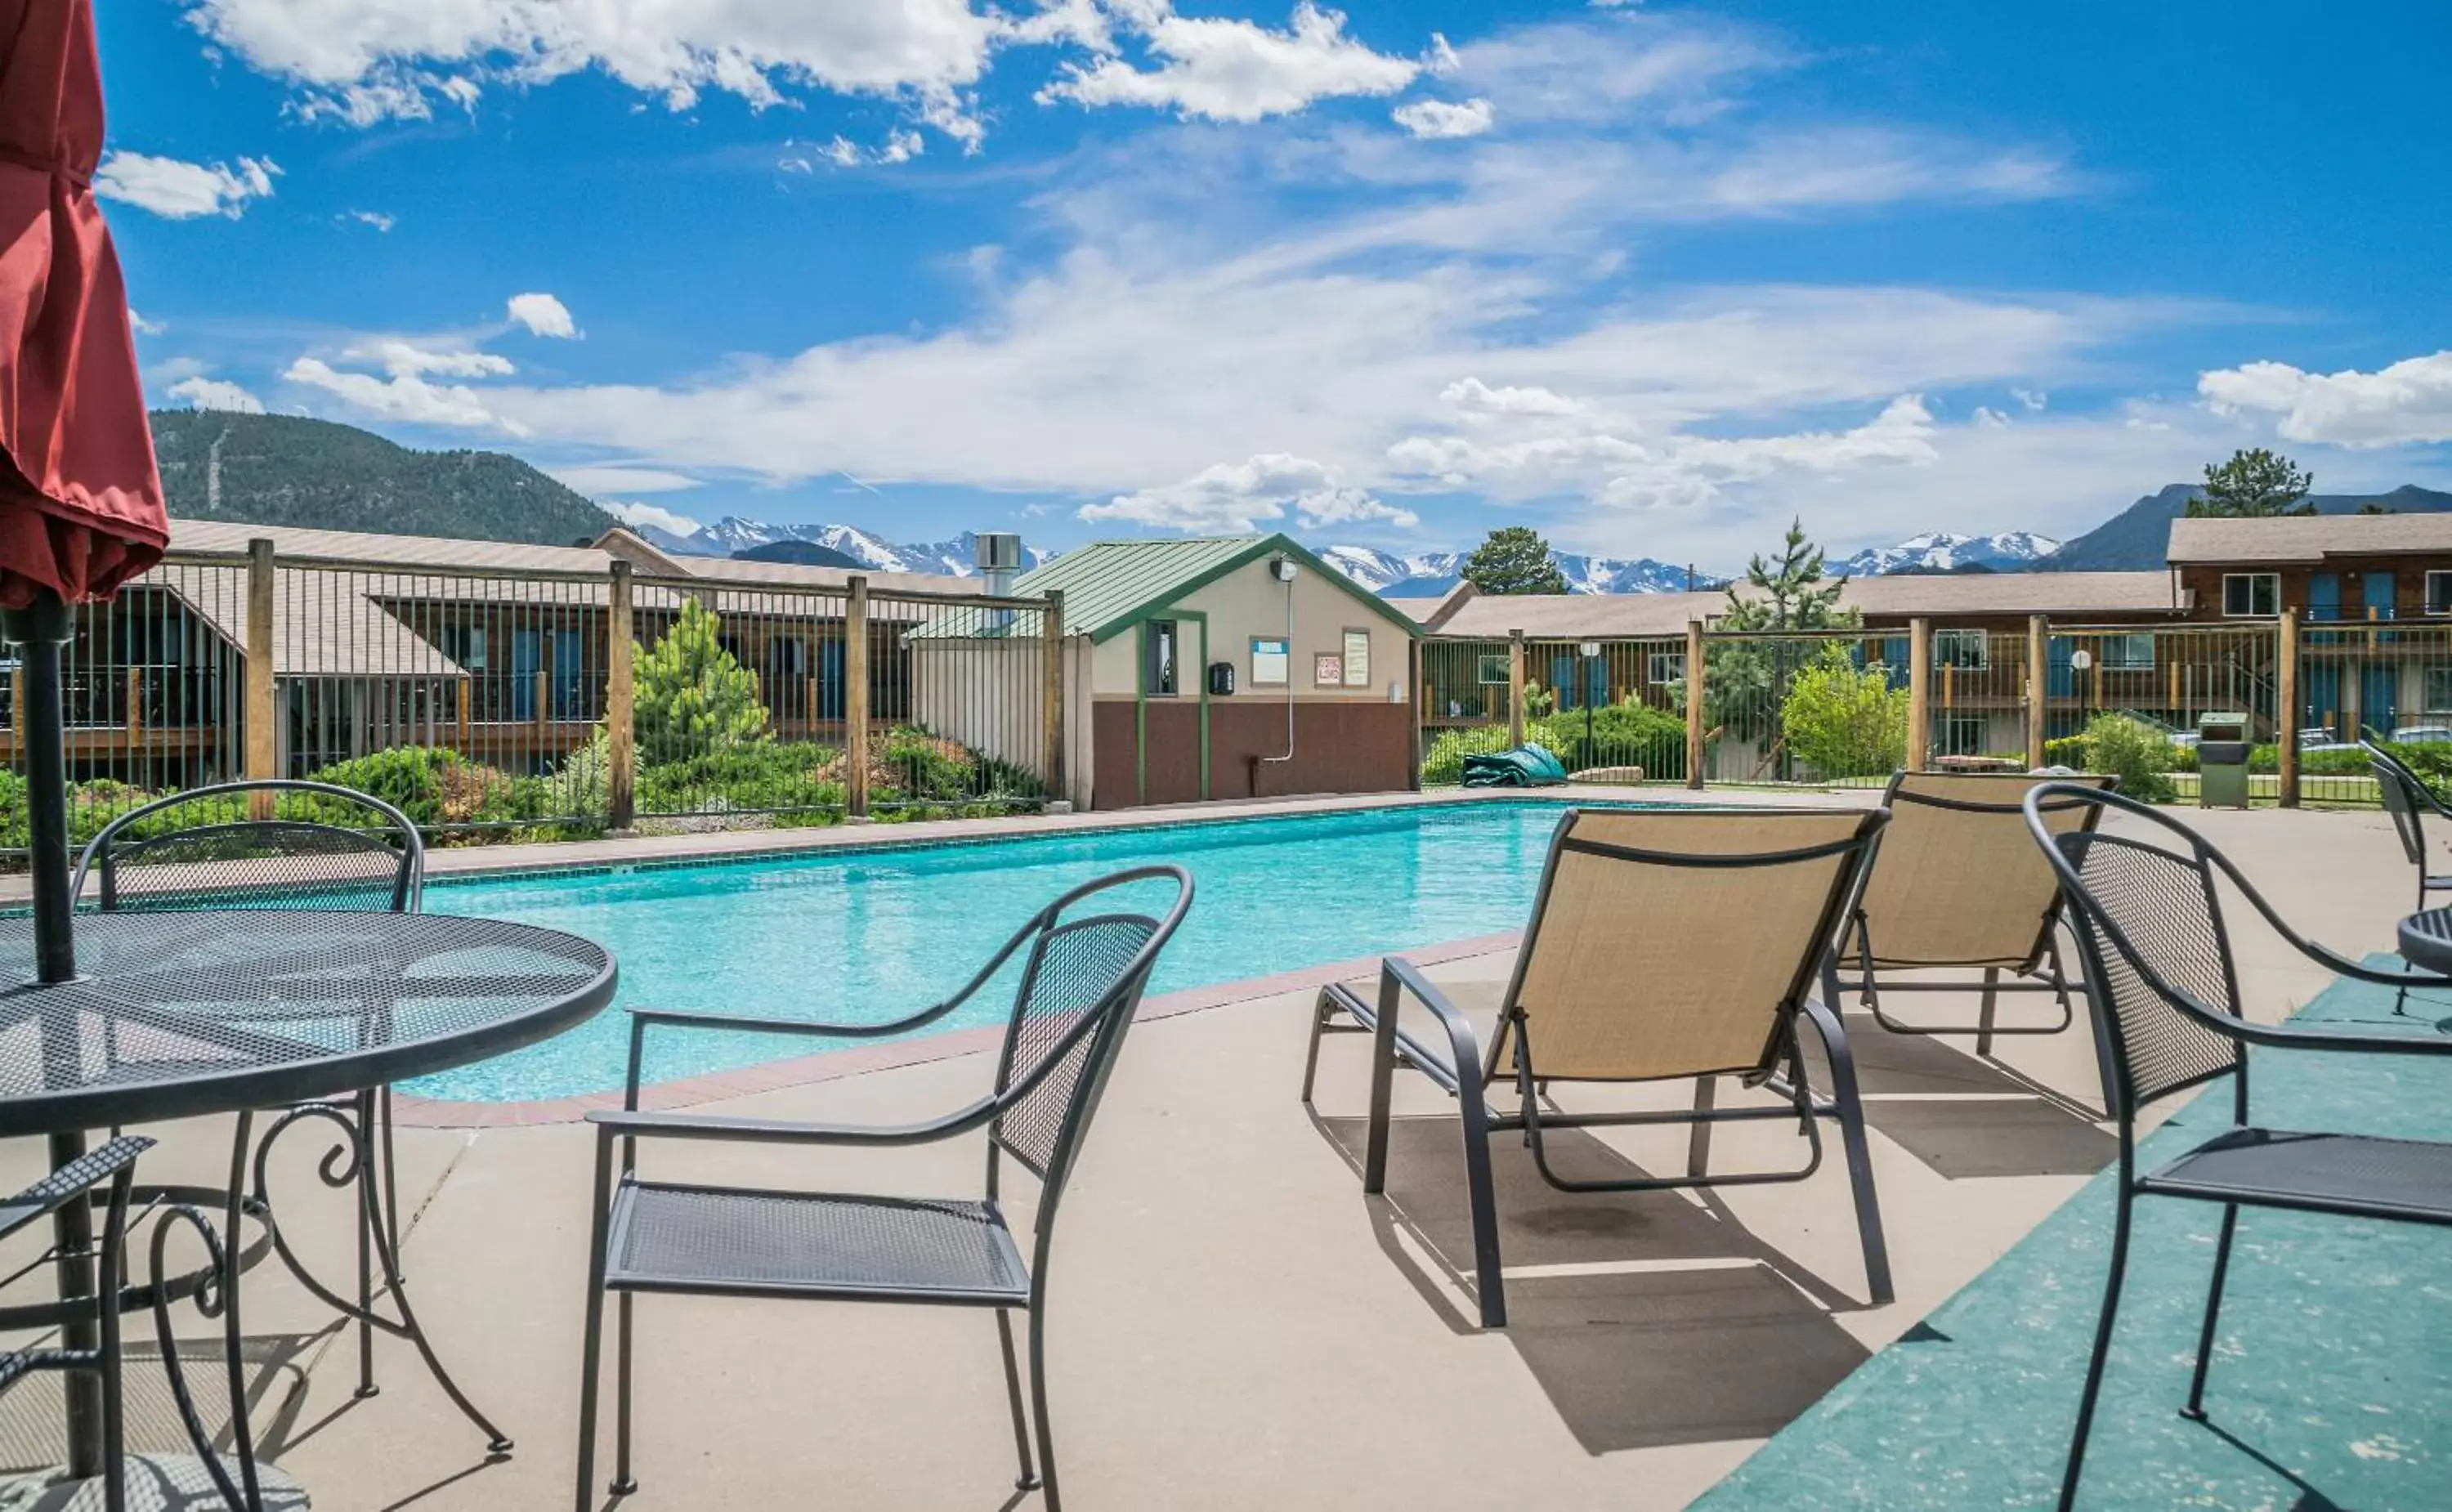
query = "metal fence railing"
{"x": 1846, "y": 707}
{"x": 534, "y": 704}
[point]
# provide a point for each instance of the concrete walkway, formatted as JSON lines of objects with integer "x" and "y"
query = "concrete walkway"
{"x": 1233, "y": 1325}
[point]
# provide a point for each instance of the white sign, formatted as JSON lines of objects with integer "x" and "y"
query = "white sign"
{"x": 1269, "y": 662}
{"x": 1328, "y": 671}
{"x": 1357, "y": 658}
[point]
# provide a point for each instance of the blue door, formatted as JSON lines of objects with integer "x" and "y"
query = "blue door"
{"x": 2323, "y": 710}
{"x": 570, "y": 674}
{"x": 2060, "y": 679}
{"x": 527, "y": 660}
{"x": 2379, "y": 698}
{"x": 2379, "y": 592}
{"x": 1562, "y": 681}
{"x": 830, "y": 680}
{"x": 1596, "y": 682}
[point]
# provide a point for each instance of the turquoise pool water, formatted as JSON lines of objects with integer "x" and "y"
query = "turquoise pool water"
{"x": 877, "y": 937}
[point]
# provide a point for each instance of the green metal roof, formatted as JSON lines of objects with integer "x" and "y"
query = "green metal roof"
{"x": 1111, "y": 585}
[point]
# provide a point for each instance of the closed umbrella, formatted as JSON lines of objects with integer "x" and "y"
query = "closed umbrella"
{"x": 81, "y": 508}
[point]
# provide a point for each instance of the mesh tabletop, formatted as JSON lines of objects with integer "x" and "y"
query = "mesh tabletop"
{"x": 181, "y": 1013}
{"x": 2426, "y": 940}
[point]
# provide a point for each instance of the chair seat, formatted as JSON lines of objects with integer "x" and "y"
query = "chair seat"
{"x": 738, "y": 1241}
{"x": 2354, "y": 1174}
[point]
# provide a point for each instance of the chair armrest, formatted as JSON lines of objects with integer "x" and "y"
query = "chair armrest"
{"x": 779, "y": 1131}
{"x": 689, "y": 1018}
{"x": 640, "y": 1018}
{"x": 1400, "y": 978}
{"x": 2282, "y": 1036}
{"x": 70, "y": 1182}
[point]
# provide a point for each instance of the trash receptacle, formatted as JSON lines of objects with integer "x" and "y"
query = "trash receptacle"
{"x": 2221, "y": 761}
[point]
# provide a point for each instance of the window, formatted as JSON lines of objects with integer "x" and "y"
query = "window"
{"x": 2438, "y": 593}
{"x": 2129, "y": 653}
{"x": 466, "y": 644}
{"x": 1960, "y": 734}
{"x": 1665, "y": 667}
{"x": 1964, "y": 649}
{"x": 2251, "y": 594}
{"x": 1158, "y": 651}
{"x": 1270, "y": 658}
{"x": 1357, "y": 658}
{"x": 2439, "y": 690}
{"x": 1492, "y": 672}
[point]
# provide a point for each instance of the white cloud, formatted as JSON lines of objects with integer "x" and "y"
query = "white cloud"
{"x": 1438, "y": 119}
{"x": 377, "y": 218}
{"x": 142, "y": 326}
{"x": 1238, "y": 498}
{"x": 621, "y": 478}
{"x": 2033, "y": 399}
{"x": 1985, "y": 415}
{"x": 543, "y": 315}
{"x": 1218, "y": 68}
{"x": 2409, "y": 401}
{"x": 216, "y": 393}
{"x": 405, "y": 359}
{"x": 1475, "y": 398}
{"x": 633, "y": 512}
{"x": 365, "y": 60}
{"x": 182, "y": 190}
{"x": 404, "y": 397}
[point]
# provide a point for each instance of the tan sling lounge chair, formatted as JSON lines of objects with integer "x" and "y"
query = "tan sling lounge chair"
{"x": 1665, "y": 945}
{"x": 1957, "y": 885}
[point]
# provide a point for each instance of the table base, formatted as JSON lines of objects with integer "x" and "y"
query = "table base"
{"x": 156, "y": 1483}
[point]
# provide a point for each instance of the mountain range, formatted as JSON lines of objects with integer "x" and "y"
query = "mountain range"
{"x": 288, "y": 470}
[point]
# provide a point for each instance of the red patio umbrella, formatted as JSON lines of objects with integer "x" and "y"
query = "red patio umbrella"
{"x": 81, "y": 508}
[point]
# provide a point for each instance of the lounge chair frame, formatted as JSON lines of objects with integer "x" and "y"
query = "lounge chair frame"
{"x": 1781, "y": 1068}
{"x": 2041, "y": 968}
{"x": 2166, "y": 1038}
{"x": 2406, "y": 801}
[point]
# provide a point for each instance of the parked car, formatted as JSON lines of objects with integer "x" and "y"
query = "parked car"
{"x": 2421, "y": 734}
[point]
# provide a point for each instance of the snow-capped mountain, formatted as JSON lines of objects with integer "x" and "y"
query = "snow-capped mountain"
{"x": 1426, "y": 575}
{"x": 1940, "y": 551}
{"x": 952, "y": 558}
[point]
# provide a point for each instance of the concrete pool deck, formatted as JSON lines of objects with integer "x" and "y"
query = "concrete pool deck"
{"x": 1232, "y": 1324}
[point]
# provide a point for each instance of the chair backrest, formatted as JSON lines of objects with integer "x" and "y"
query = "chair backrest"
{"x": 2401, "y": 799}
{"x": 2149, "y": 924}
{"x": 1678, "y": 941}
{"x": 1955, "y": 881}
{"x": 1086, "y": 965}
{"x": 315, "y": 846}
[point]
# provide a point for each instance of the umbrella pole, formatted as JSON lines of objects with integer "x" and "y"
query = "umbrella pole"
{"x": 40, "y": 629}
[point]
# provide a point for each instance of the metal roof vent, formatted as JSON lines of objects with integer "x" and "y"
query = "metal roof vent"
{"x": 999, "y": 558}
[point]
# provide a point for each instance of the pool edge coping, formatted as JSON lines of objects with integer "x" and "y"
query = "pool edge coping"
{"x": 410, "y": 1111}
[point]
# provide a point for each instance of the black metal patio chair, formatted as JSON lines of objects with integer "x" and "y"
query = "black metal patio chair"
{"x": 112, "y": 1166}
{"x": 1665, "y": 945}
{"x": 275, "y": 843}
{"x": 1085, "y": 962}
{"x": 2162, "y": 978}
{"x": 1954, "y": 887}
{"x": 2407, "y": 799}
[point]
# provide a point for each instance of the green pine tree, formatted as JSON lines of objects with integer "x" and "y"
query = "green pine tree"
{"x": 1513, "y": 559}
{"x": 2254, "y": 484}
{"x": 692, "y": 696}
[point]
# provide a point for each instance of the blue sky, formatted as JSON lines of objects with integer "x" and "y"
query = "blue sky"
{"x": 1650, "y": 277}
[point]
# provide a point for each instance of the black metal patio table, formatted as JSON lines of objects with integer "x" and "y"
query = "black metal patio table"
{"x": 178, "y": 1014}
{"x": 2426, "y": 940}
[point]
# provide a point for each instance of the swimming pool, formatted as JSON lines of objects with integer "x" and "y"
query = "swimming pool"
{"x": 877, "y": 935}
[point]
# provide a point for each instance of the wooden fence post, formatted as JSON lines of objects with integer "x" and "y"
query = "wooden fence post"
{"x": 2039, "y": 694}
{"x": 1694, "y": 703}
{"x": 1052, "y": 621}
{"x": 856, "y": 699}
{"x": 1514, "y": 687}
{"x": 620, "y": 703}
{"x": 2285, "y": 713}
{"x": 263, "y": 748}
{"x": 1919, "y": 753}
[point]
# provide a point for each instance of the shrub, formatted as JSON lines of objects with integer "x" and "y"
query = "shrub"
{"x": 2137, "y": 754}
{"x": 692, "y": 696}
{"x": 758, "y": 775}
{"x": 1844, "y": 722}
{"x": 2066, "y": 751}
{"x": 409, "y": 777}
{"x": 1443, "y": 763}
{"x": 1631, "y": 734}
{"x": 928, "y": 766}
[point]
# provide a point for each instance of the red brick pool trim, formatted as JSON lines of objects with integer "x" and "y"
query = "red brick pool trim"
{"x": 800, "y": 1070}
